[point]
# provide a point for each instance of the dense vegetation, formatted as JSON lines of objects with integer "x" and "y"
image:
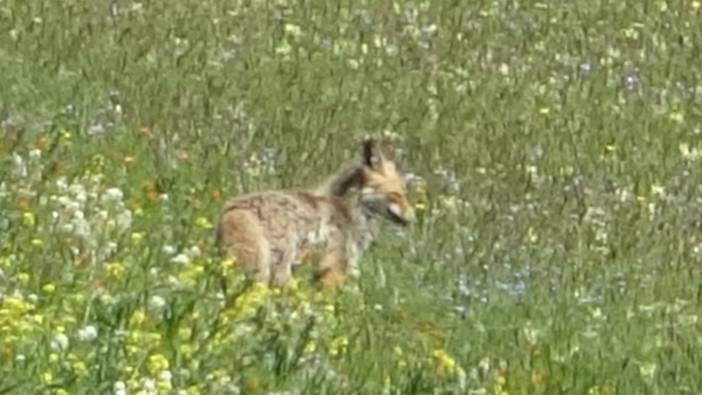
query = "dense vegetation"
{"x": 557, "y": 147}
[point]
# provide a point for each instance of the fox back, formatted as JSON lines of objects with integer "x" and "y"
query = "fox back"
{"x": 270, "y": 232}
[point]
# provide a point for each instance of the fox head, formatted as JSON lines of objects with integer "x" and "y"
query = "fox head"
{"x": 383, "y": 187}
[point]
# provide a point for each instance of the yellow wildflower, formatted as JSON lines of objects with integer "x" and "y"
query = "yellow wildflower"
{"x": 137, "y": 238}
{"x": 246, "y": 305}
{"x": 23, "y": 278}
{"x": 186, "y": 350}
{"x": 158, "y": 363}
{"x": 5, "y": 262}
{"x": 499, "y": 385}
{"x": 138, "y": 318}
{"x": 131, "y": 350}
{"x": 677, "y": 116}
{"x": 202, "y": 222}
{"x": 66, "y": 137}
{"x": 445, "y": 364}
{"x": 78, "y": 298}
{"x": 329, "y": 308}
{"x": 399, "y": 356}
{"x": 16, "y": 306}
{"x": 115, "y": 270}
{"x": 164, "y": 387}
{"x": 29, "y": 219}
{"x": 132, "y": 384}
{"x": 310, "y": 348}
{"x": 184, "y": 333}
{"x": 190, "y": 274}
{"x": 46, "y": 377}
{"x": 80, "y": 369}
{"x": 338, "y": 346}
{"x": 227, "y": 265}
{"x": 153, "y": 337}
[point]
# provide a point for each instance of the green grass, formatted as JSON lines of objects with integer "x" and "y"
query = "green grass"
{"x": 567, "y": 261}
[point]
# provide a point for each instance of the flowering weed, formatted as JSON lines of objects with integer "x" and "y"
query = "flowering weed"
{"x": 553, "y": 152}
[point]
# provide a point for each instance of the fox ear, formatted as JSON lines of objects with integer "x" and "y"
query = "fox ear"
{"x": 371, "y": 154}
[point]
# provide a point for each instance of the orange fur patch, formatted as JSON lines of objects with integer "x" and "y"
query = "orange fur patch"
{"x": 331, "y": 279}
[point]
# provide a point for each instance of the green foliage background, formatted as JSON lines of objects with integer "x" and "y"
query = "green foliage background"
{"x": 558, "y": 250}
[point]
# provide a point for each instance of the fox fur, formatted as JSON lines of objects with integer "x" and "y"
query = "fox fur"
{"x": 271, "y": 232}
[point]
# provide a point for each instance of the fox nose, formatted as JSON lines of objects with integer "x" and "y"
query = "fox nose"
{"x": 401, "y": 215}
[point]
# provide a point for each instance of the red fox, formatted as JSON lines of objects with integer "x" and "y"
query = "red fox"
{"x": 270, "y": 232}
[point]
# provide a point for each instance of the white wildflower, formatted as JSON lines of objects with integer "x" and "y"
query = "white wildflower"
{"x": 113, "y": 195}
{"x": 173, "y": 281}
{"x": 120, "y": 388}
{"x": 66, "y": 228}
{"x": 62, "y": 185}
{"x": 658, "y": 190}
{"x": 81, "y": 227}
{"x": 648, "y": 370}
{"x": 110, "y": 247}
{"x": 102, "y": 215}
{"x": 283, "y": 49}
{"x": 165, "y": 376}
{"x": 96, "y": 129}
{"x": 293, "y": 30}
{"x": 59, "y": 342}
{"x": 181, "y": 259}
{"x": 35, "y": 154}
{"x": 157, "y": 302}
{"x": 597, "y": 314}
{"x": 169, "y": 249}
{"x": 78, "y": 192}
{"x": 688, "y": 153}
{"x": 88, "y": 333}
{"x": 430, "y": 29}
{"x": 20, "y": 168}
{"x": 124, "y": 220}
{"x": 148, "y": 386}
{"x": 194, "y": 252}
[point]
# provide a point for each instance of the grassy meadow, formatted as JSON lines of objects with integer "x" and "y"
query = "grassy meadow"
{"x": 556, "y": 148}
